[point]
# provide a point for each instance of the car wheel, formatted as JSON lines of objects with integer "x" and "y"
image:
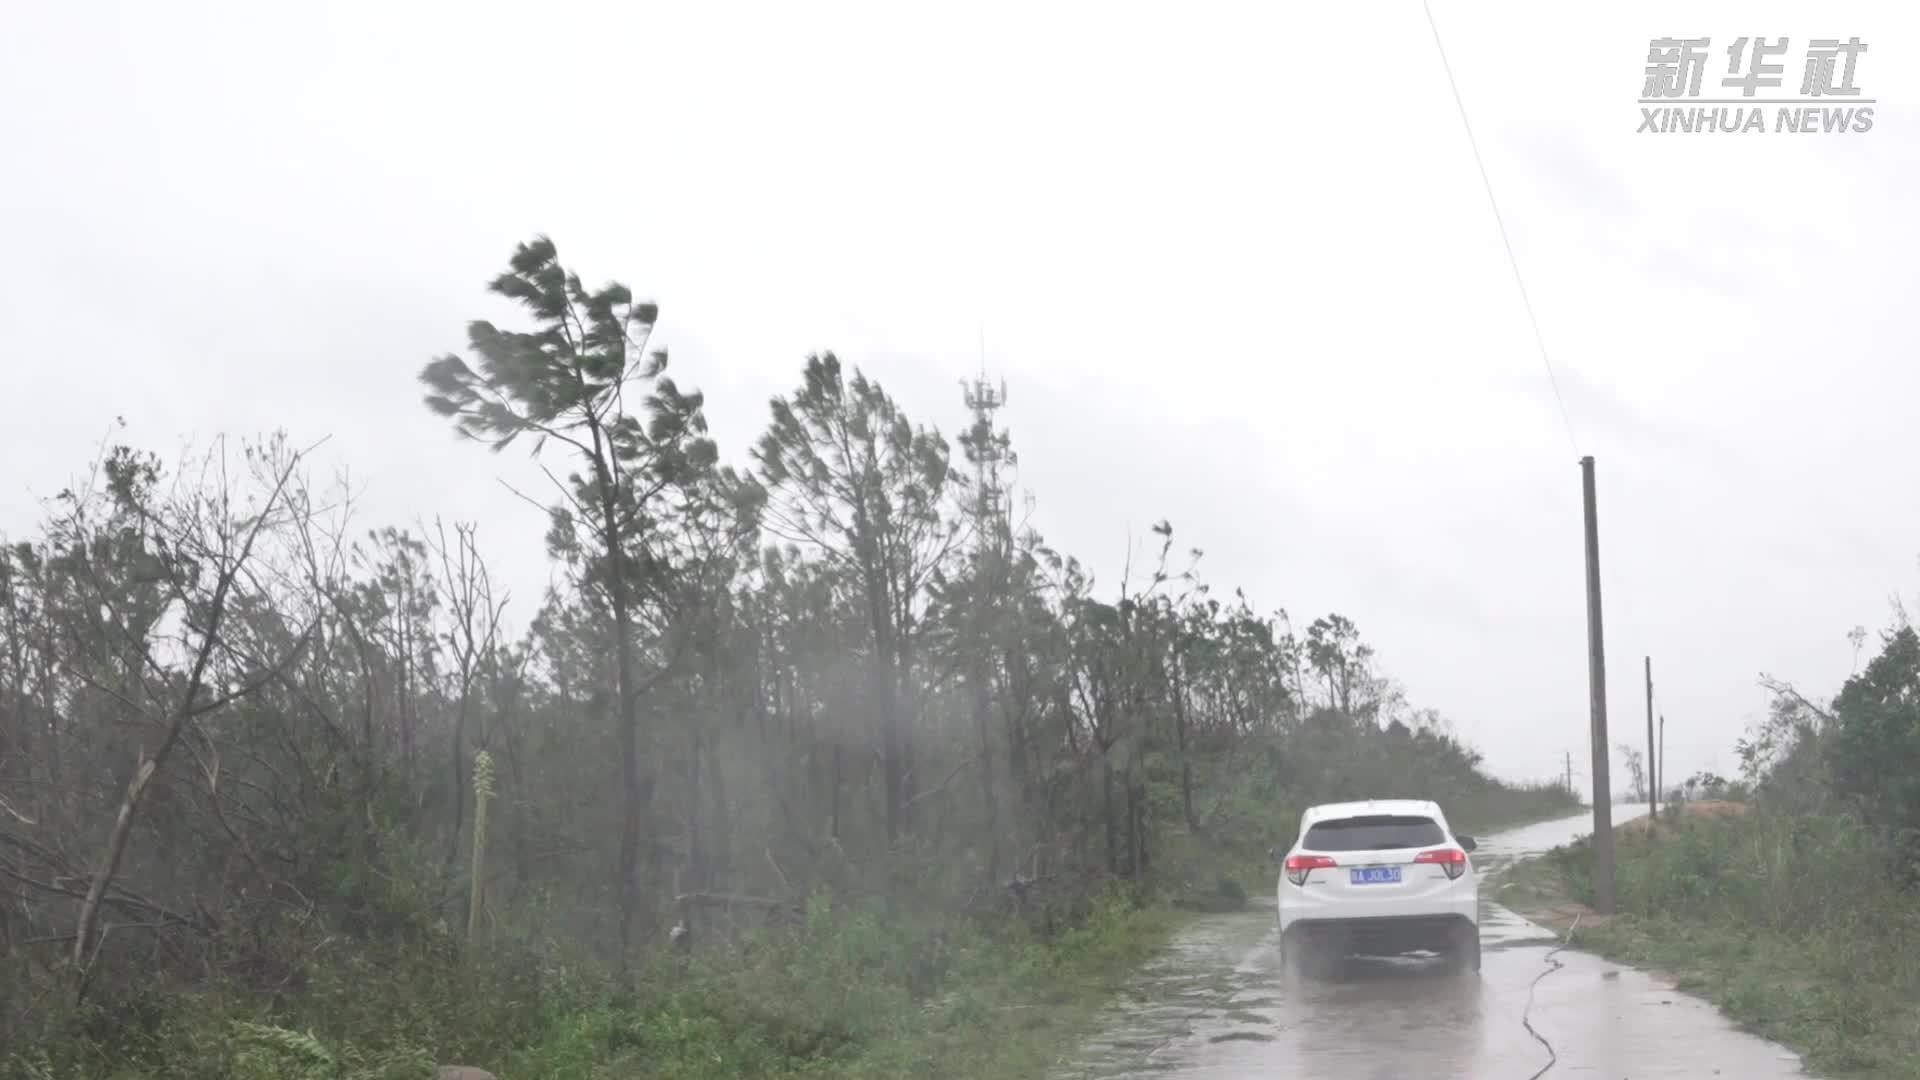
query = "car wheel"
{"x": 1463, "y": 952}
{"x": 1309, "y": 956}
{"x": 1324, "y": 961}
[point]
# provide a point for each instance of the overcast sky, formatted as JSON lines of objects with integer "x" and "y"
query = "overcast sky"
{"x": 1234, "y": 263}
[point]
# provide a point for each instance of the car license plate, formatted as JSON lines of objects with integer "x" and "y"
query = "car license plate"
{"x": 1374, "y": 875}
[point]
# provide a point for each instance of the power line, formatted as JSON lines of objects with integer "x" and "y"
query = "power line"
{"x": 1525, "y": 299}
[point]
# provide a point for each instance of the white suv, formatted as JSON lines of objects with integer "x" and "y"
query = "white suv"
{"x": 1377, "y": 878}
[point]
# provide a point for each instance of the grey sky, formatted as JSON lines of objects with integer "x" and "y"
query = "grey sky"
{"x": 1234, "y": 263}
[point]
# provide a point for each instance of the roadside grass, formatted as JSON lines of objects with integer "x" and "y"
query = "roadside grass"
{"x": 1015, "y": 1012}
{"x": 818, "y": 1005}
{"x": 848, "y": 995}
{"x": 1799, "y": 928}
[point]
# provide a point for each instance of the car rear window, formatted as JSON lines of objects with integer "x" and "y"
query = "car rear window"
{"x": 1376, "y": 832}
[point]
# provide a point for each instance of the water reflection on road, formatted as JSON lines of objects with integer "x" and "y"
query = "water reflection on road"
{"x": 1217, "y": 1006}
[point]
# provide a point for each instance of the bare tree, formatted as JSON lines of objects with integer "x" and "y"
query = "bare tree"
{"x": 1636, "y": 768}
{"x": 471, "y": 637}
{"x": 198, "y": 546}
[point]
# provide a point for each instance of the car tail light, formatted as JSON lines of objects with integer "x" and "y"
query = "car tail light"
{"x": 1299, "y": 866}
{"x": 1452, "y": 860}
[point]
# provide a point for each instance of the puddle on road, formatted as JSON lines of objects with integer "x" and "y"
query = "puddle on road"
{"x": 1202, "y": 980}
{"x": 1215, "y": 1005}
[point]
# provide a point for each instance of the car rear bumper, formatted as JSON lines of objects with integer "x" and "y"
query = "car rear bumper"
{"x": 1384, "y": 936}
{"x": 1456, "y": 900}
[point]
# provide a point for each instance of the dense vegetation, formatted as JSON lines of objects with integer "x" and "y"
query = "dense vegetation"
{"x": 819, "y": 764}
{"x": 1799, "y": 915}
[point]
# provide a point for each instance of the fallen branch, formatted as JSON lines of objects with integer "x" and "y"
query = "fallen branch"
{"x": 776, "y": 910}
{"x": 776, "y": 869}
{"x": 1786, "y": 689}
{"x": 942, "y": 785}
{"x": 709, "y": 899}
{"x": 117, "y": 897}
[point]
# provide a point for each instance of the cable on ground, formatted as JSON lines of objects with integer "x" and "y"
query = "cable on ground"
{"x": 1552, "y": 1057}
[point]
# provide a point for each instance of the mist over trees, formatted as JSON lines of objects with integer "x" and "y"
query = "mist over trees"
{"x": 247, "y": 738}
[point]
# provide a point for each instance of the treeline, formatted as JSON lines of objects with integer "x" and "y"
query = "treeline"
{"x": 247, "y": 747}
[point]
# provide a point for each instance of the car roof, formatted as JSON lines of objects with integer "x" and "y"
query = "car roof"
{"x": 1416, "y": 807}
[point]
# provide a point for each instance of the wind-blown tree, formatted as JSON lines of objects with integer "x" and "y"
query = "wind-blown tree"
{"x": 1335, "y": 651}
{"x": 402, "y": 600}
{"x": 471, "y": 640}
{"x": 568, "y": 381}
{"x": 846, "y": 472}
{"x": 1117, "y": 685}
{"x": 1872, "y": 735}
{"x": 801, "y": 625}
{"x": 28, "y": 720}
{"x": 1226, "y": 671}
{"x": 1029, "y": 642}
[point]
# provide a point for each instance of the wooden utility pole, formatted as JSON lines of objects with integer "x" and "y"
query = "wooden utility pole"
{"x": 1653, "y": 752}
{"x": 1597, "y": 702}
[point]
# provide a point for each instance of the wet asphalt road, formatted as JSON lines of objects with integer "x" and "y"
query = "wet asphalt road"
{"x": 1217, "y": 1006}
